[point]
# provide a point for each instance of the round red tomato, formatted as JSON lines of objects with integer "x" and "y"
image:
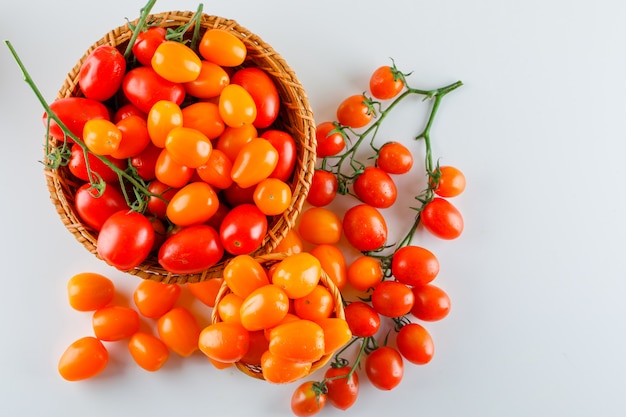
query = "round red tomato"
{"x": 146, "y": 44}
{"x": 365, "y": 227}
{"x": 101, "y": 73}
{"x": 143, "y": 87}
{"x": 243, "y": 229}
{"x": 74, "y": 112}
{"x": 263, "y": 91}
{"x": 394, "y": 158}
{"x": 384, "y": 368}
{"x": 328, "y": 144}
{"x": 286, "y": 147}
{"x": 191, "y": 250}
{"x": 376, "y": 188}
{"x": 442, "y": 219}
{"x": 386, "y": 83}
{"x": 323, "y": 188}
{"x": 95, "y": 208}
{"x": 308, "y": 399}
{"x": 355, "y": 111}
{"x": 125, "y": 239}
{"x": 392, "y": 299}
{"x": 145, "y": 162}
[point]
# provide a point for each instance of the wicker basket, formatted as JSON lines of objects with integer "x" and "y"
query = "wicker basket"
{"x": 295, "y": 117}
{"x": 267, "y": 261}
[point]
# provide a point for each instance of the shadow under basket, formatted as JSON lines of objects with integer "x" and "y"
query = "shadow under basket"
{"x": 295, "y": 117}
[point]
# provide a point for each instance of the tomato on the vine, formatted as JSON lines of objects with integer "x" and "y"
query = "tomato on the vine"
{"x": 415, "y": 344}
{"x": 392, "y": 299}
{"x": 323, "y": 188}
{"x": 365, "y": 227}
{"x": 384, "y": 368}
{"x": 83, "y": 359}
{"x": 144, "y": 162}
{"x": 243, "y": 229}
{"x": 263, "y": 91}
{"x": 125, "y": 239}
{"x": 158, "y": 202}
{"x": 78, "y": 166}
{"x": 101, "y": 73}
{"x": 95, "y": 207}
{"x": 431, "y": 303}
{"x": 442, "y": 219}
{"x": 451, "y": 182}
{"x": 355, "y": 111}
{"x": 414, "y": 265}
{"x": 394, "y": 158}
{"x": 191, "y": 250}
{"x": 375, "y": 187}
{"x": 362, "y": 319}
{"x": 385, "y": 83}
{"x": 342, "y": 386}
{"x": 307, "y": 399}
{"x": 328, "y": 144}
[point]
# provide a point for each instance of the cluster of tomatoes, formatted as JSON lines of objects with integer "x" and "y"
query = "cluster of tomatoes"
{"x": 176, "y": 149}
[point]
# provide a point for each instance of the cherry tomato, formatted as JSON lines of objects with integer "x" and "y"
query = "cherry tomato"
{"x": 222, "y": 48}
{"x": 204, "y": 117}
{"x": 95, "y": 208}
{"x": 243, "y": 229}
{"x": 264, "y": 307}
{"x": 415, "y": 344}
{"x": 229, "y": 308}
{"x": 146, "y": 44}
{"x": 170, "y": 172}
{"x": 328, "y": 144}
{"x": 307, "y": 399}
{"x": 362, "y": 319}
{"x": 442, "y": 219}
{"x": 236, "y": 106}
{"x": 235, "y": 195}
{"x": 78, "y": 166}
{"x": 179, "y": 330}
{"x": 74, "y": 112}
{"x": 115, "y": 323}
{"x": 431, "y": 303}
{"x": 263, "y": 91}
{"x": 206, "y": 291}
{"x": 234, "y": 138}
{"x": 127, "y": 110}
{"x": 414, "y": 265}
{"x": 290, "y": 244}
{"x": 143, "y": 87}
{"x": 216, "y": 171}
{"x": 364, "y": 272}
{"x": 101, "y": 73}
{"x": 298, "y": 341}
{"x": 336, "y": 333}
{"x": 375, "y": 187}
{"x": 144, "y": 163}
{"x": 157, "y": 203}
{"x": 384, "y": 368}
{"x": 451, "y": 182}
{"x": 191, "y": 250}
{"x": 385, "y": 83}
{"x": 224, "y": 342}
{"x": 278, "y": 370}
{"x": 394, "y": 158}
{"x": 176, "y": 62}
{"x": 125, "y": 239}
{"x": 148, "y": 351}
{"x": 272, "y": 196}
{"x": 365, "y": 227}
{"x": 317, "y": 304}
{"x": 355, "y": 112}
{"x": 243, "y": 274}
{"x": 319, "y": 225}
{"x": 297, "y": 274}
{"x": 323, "y": 188}
{"x": 153, "y": 299}
{"x": 83, "y": 359}
{"x": 255, "y": 161}
{"x": 163, "y": 116}
{"x": 89, "y": 291}
{"x": 392, "y": 299}
{"x": 101, "y": 136}
{"x": 195, "y": 203}
{"x": 210, "y": 81}
{"x": 333, "y": 262}
{"x": 342, "y": 387}
{"x": 135, "y": 137}
{"x": 284, "y": 143}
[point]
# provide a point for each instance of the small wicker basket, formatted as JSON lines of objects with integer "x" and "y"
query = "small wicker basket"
{"x": 254, "y": 370}
{"x": 295, "y": 117}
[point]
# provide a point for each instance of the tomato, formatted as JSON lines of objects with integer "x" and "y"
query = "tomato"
{"x": 328, "y": 144}
{"x": 74, "y": 112}
{"x": 451, "y": 182}
{"x": 263, "y": 91}
{"x": 431, "y": 303}
{"x": 415, "y": 344}
{"x": 258, "y": 345}
{"x": 365, "y": 227}
{"x": 319, "y": 225}
{"x": 243, "y": 229}
{"x": 278, "y": 370}
{"x": 386, "y": 83}
{"x": 414, "y": 265}
{"x": 375, "y": 187}
{"x": 364, "y": 272}
{"x": 234, "y": 138}
{"x": 83, "y": 359}
{"x": 210, "y": 81}
{"x": 229, "y": 308}
{"x": 179, "y": 330}
{"x": 163, "y": 116}
{"x": 125, "y": 239}
{"x": 243, "y": 274}
{"x": 101, "y": 136}
{"x": 224, "y": 342}
{"x": 297, "y": 274}
{"x": 442, "y": 219}
{"x": 144, "y": 163}
{"x": 235, "y": 195}
{"x": 317, "y": 304}
{"x": 308, "y": 399}
{"x": 191, "y": 250}
{"x": 392, "y": 299}
{"x": 95, "y": 208}
{"x": 115, "y": 323}
{"x": 148, "y": 351}
{"x": 264, "y": 307}
{"x": 101, "y": 73}
{"x": 195, "y": 203}
{"x": 355, "y": 111}
{"x": 78, "y": 166}
{"x": 143, "y": 87}
{"x": 362, "y": 319}
{"x": 160, "y": 233}
{"x": 298, "y": 341}
{"x": 289, "y": 244}
{"x": 236, "y": 106}
{"x": 176, "y": 62}
{"x": 384, "y": 368}
{"x": 255, "y": 161}
{"x": 127, "y": 110}
{"x": 206, "y": 291}
{"x": 272, "y": 196}
{"x": 289, "y": 317}
{"x": 153, "y": 299}
{"x": 323, "y": 188}
{"x": 394, "y": 158}
{"x": 216, "y": 171}
{"x": 170, "y": 172}
{"x": 146, "y": 44}
{"x": 204, "y": 117}
{"x": 336, "y": 333}
{"x": 157, "y": 203}
{"x": 333, "y": 262}
{"x": 89, "y": 291}
{"x": 135, "y": 137}
{"x": 342, "y": 387}
{"x": 284, "y": 143}
{"x": 222, "y": 48}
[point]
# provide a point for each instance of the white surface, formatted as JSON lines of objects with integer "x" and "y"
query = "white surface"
{"x": 536, "y": 280}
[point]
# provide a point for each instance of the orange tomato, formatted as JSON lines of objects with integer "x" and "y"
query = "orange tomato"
{"x": 289, "y": 244}
{"x": 135, "y": 137}
{"x": 163, "y": 116}
{"x": 272, "y": 196}
{"x": 195, "y": 203}
{"x": 229, "y": 307}
{"x": 297, "y": 274}
{"x": 244, "y": 274}
{"x": 319, "y": 225}
{"x": 148, "y": 351}
{"x": 278, "y": 370}
{"x": 236, "y": 106}
{"x": 188, "y": 146}
{"x": 176, "y": 62}
{"x": 316, "y": 305}
{"x": 222, "y": 48}
{"x": 210, "y": 81}
{"x": 298, "y": 341}
{"x": 115, "y": 323}
{"x": 264, "y": 307}
{"x": 153, "y": 299}
{"x": 83, "y": 359}
{"x": 233, "y": 138}
{"x": 206, "y": 291}
{"x": 255, "y": 162}
{"x": 333, "y": 263}
{"x": 336, "y": 333}
{"x": 101, "y": 136}
{"x": 89, "y": 291}
{"x": 179, "y": 330}
{"x": 224, "y": 342}
{"x": 364, "y": 272}
{"x": 216, "y": 171}
{"x": 204, "y": 117}
{"x": 288, "y": 318}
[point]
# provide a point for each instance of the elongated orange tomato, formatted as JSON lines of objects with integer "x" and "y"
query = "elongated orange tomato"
{"x": 320, "y": 225}
{"x": 83, "y": 359}
{"x": 244, "y": 274}
{"x": 236, "y": 106}
{"x": 176, "y": 62}
{"x": 115, "y": 323}
{"x": 224, "y": 342}
{"x": 290, "y": 244}
{"x": 195, "y": 203}
{"x": 297, "y": 274}
{"x": 316, "y": 305}
{"x": 210, "y": 81}
{"x": 255, "y": 162}
{"x": 153, "y": 299}
{"x": 336, "y": 333}
{"x": 148, "y": 351}
{"x": 222, "y": 48}
{"x": 179, "y": 330}
{"x": 89, "y": 291}
{"x": 216, "y": 171}
{"x": 298, "y": 341}
{"x": 234, "y": 138}
{"x": 206, "y": 291}
{"x": 278, "y": 370}
{"x": 333, "y": 263}
{"x": 264, "y": 307}
{"x": 229, "y": 308}
{"x": 188, "y": 146}
{"x": 205, "y": 117}
{"x": 170, "y": 172}
{"x": 163, "y": 116}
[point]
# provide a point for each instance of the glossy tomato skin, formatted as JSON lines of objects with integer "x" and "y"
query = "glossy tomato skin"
{"x": 195, "y": 203}
{"x": 95, "y": 209}
{"x": 148, "y": 351}
{"x": 323, "y": 188}
{"x": 191, "y": 250}
{"x": 394, "y": 158}
{"x": 222, "y": 48}
{"x": 179, "y": 330}
{"x": 135, "y": 137}
{"x": 153, "y": 299}
{"x": 146, "y": 44}
{"x": 328, "y": 144}
{"x": 392, "y": 299}
{"x": 176, "y": 62}
{"x": 236, "y": 106}
{"x": 284, "y": 143}
{"x": 263, "y": 91}
{"x": 384, "y": 368}
{"x": 365, "y": 227}
{"x": 343, "y": 391}
{"x": 89, "y": 291}
{"x": 255, "y": 161}
{"x": 333, "y": 262}
{"x": 376, "y": 188}
{"x": 83, "y": 359}
{"x": 307, "y": 400}
{"x": 362, "y": 319}
{"x": 431, "y": 303}
{"x": 115, "y": 322}
{"x": 145, "y": 162}
{"x": 415, "y": 344}
{"x": 224, "y": 342}
{"x": 384, "y": 84}
{"x": 442, "y": 219}
{"x": 143, "y": 87}
{"x": 243, "y": 229}
{"x": 101, "y": 73}
{"x": 74, "y": 112}
{"x": 451, "y": 182}
{"x": 78, "y": 165}
{"x": 125, "y": 240}
{"x": 354, "y": 112}
{"x": 320, "y": 225}
{"x": 414, "y": 265}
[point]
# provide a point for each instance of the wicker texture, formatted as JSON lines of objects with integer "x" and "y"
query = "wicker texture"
{"x": 295, "y": 117}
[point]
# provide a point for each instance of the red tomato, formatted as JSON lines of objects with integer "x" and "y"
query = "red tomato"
{"x": 384, "y": 368}
{"x": 415, "y": 344}
{"x": 146, "y": 44}
{"x": 414, "y": 265}
{"x": 323, "y": 188}
{"x": 431, "y": 303}
{"x": 451, "y": 182}
{"x": 176, "y": 62}
{"x": 74, "y": 113}
{"x": 216, "y": 171}
{"x": 355, "y": 111}
{"x": 392, "y": 299}
{"x": 83, "y": 359}
{"x": 236, "y": 195}
{"x": 153, "y": 299}
{"x": 284, "y": 143}
{"x": 145, "y": 162}
{"x": 263, "y": 91}
{"x": 308, "y": 399}
{"x": 101, "y": 73}
{"x": 222, "y": 48}
{"x": 148, "y": 351}
{"x": 365, "y": 227}
{"x": 143, "y": 87}
{"x": 362, "y": 319}
{"x": 115, "y": 323}
{"x": 394, "y": 158}
{"x": 442, "y": 219}
{"x": 328, "y": 144}
{"x": 179, "y": 330}
{"x": 375, "y": 187}
{"x": 170, "y": 172}
{"x": 78, "y": 166}
{"x": 243, "y": 229}
{"x": 127, "y": 110}
{"x": 135, "y": 137}
{"x": 386, "y": 83}
{"x": 125, "y": 240}
{"x": 89, "y": 291}
{"x": 94, "y": 208}
{"x": 191, "y": 250}
{"x": 342, "y": 387}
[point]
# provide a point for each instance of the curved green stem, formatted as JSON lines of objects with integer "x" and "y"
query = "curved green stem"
{"x": 145, "y": 12}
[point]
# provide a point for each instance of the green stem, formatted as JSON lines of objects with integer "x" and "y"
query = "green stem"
{"x": 145, "y": 11}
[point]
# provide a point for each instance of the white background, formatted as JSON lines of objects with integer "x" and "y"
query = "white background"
{"x": 537, "y": 280}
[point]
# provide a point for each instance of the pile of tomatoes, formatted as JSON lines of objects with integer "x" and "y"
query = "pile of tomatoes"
{"x": 175, "y": 150}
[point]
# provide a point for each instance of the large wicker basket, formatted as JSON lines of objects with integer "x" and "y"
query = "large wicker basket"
{"x": 295, "y": 117}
